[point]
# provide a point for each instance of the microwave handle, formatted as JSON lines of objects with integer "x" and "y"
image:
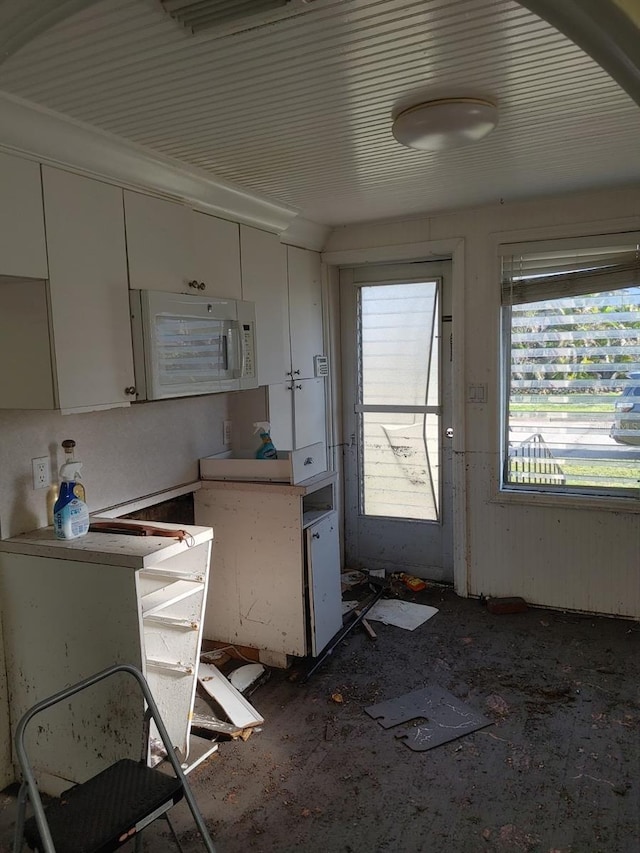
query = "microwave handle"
{"x": 237, "y": 348}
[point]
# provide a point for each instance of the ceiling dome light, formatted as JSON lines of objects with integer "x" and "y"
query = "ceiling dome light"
{"x": 445, "y": 123}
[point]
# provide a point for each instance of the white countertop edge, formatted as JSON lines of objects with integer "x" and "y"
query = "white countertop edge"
{"x": 114, "y": 549}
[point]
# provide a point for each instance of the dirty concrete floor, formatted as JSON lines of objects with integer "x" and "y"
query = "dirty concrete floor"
{"x": 555, "y": 772}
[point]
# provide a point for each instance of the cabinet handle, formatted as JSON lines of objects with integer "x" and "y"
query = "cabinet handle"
{"x": 296, "y": 373}
{"x": 130, "y": 389}
{"x": 299, "y": 387}
{"x": 316, "y": 535}
{"x": 308, "y": 460}
{"x": 198, "y": 285}
{"x": 289, "y": 387}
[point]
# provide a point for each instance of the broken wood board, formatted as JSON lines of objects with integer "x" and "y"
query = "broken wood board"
{"x": 236, "y": 707}
{"x": 213, "y": 724}
{"x": 439, "y": 718}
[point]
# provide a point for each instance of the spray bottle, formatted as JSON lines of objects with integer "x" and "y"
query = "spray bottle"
{"x": 70, "y": 512}
{"x": 69, "y": 459}
{"x": 266, "y": 449}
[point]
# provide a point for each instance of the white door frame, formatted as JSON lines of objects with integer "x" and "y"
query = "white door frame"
{"x": 430, "y": 250}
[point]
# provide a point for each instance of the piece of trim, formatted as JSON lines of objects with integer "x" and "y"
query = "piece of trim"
{"x": 240, "y": 712}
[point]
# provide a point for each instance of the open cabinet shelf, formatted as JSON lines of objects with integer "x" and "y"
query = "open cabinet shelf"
{"x": 74, "y": 608}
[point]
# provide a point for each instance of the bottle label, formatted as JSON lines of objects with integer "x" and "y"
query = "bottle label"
{"x": 71, "y": 518}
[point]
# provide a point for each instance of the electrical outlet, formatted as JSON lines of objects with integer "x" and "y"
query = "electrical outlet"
{"x": 41, "y": 472}
{"x": 226, "y": 432}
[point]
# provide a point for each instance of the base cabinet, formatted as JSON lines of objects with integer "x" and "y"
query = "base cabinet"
{"x": 72, "y": 609}
{"x": 276, "y": 565}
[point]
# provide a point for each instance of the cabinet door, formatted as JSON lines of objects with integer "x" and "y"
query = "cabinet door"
{"x": 22, "y": 244}
{"x": 309, "y": 420}
{"x": 216, "y": 255}
{"x": 280, "y": 399}
{"x": 305, "y": 310}
{"x": 297, "y": 413}
{"x": 88, "y": 291}
{"x": 323, "y": 568}
{"x": 264, "y": 281}
{"x": 158, "y": 243}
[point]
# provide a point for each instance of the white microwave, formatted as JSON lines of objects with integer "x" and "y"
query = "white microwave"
{"x": 185, "y": 344}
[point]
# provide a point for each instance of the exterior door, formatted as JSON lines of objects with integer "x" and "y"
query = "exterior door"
{"x": 397, "y": 353}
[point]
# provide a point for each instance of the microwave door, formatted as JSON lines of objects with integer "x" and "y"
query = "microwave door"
{"x": 188, "y": 355}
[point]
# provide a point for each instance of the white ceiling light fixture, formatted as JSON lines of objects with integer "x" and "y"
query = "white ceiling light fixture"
{"x": 445, "y": 123}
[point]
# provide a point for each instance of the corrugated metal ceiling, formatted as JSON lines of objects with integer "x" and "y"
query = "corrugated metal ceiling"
{"x": 297, "y": 105}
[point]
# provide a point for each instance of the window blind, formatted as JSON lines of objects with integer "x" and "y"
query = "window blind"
{"x": 535, "y": 272}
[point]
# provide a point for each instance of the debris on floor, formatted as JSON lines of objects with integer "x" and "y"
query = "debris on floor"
{"x": 514, "y": 604}
{"x": 436, "y": 717}
{"x": 209, "y": 723}
{"x": 349, "y": 580}
{"x": 236, "y": 707}
{"x": 248, "y": 676}
{"x": 402, "y": 614}
{"x": 412, "y": 583}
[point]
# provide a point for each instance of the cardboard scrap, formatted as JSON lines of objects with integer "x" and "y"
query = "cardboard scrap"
{"x": 403, "y": 614}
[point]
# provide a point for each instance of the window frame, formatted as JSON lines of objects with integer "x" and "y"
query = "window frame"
{"x": 609, "y": 498}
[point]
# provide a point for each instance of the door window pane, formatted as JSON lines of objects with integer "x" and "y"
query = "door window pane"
{"x": 396, "y": 336}
{"x": 400, "y": 451}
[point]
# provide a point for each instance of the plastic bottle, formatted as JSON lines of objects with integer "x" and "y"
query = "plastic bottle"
{"x": 70, "y": 512}
{"x": 267, "y": 449}
{"x": 69, "y": 459}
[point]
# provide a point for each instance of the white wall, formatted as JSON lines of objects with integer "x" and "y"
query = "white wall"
{"x": 127, "y": 453}
{"x": 552, "y": 553}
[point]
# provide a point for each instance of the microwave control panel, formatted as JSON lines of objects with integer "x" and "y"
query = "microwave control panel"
{"x": 248, "y": 350}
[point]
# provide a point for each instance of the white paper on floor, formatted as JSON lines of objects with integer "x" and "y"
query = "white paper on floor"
{"x": 403, "y": 614}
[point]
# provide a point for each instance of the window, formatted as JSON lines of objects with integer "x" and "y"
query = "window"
{"x": 571, "y": 366}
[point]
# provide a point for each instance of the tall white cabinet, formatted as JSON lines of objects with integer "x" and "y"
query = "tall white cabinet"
{"x": 297, "y": 402}
{"x": 72, "y": 608}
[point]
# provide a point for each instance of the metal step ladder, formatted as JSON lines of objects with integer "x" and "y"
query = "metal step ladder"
{"x": 108, "y": 810}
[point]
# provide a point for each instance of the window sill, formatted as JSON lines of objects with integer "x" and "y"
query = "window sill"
{"x": 597, "y": 503}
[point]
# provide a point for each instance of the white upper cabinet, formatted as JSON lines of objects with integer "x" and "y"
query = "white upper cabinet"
{"x": 171, "y": 247}
{"x": 22, "y": 244}
{"x": 88, "y": 292}
{"x": 158, "y": 243}
{"x": 305, "y": 310}
{"x": 216, "y": 255}
{"x": 264, "y": 282}
{"x": 65, "y": 342}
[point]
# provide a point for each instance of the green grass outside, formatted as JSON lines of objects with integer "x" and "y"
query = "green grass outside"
{"x": 578, "y": 408}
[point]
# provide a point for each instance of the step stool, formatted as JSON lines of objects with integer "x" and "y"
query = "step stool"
{"x": 106, "y": 811}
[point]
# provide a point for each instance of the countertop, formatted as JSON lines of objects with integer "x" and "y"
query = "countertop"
{"x": 114, "y": 549}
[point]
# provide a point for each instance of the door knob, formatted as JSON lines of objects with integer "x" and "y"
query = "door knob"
{"x": 449, "y": 432}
